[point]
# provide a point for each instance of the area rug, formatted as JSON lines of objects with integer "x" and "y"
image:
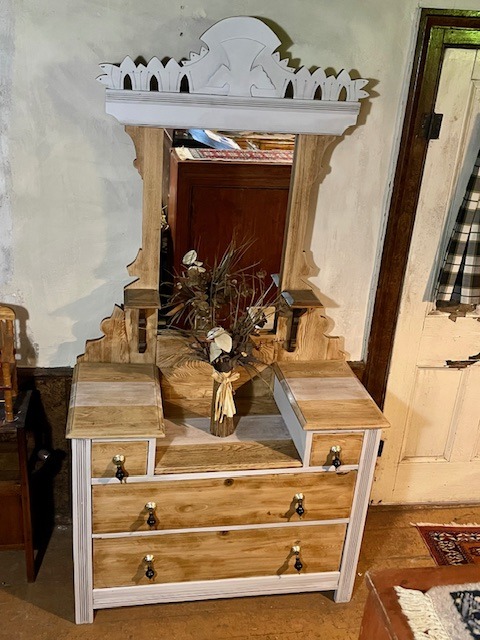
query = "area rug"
{"x": 452, "y": 543}
{"x": 442, "y": 613}
{"x": 244, "y": 155}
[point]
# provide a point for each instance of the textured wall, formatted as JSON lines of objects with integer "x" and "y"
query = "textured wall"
{"x": 70, "y": 216}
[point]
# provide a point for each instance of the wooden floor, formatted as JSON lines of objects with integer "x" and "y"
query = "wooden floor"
{"x": 44, "y": 610}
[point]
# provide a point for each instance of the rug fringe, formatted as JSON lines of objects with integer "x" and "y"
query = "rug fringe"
{"x": 419, "y": 610}
{"x": 448, "y": 524}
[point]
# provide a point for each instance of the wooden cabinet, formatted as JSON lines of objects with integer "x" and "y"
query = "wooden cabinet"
{"x": 276, "y": 516}
{"x": 16, "y": 520}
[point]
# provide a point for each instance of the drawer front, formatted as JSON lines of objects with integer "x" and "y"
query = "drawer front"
{"x": 135, "y": 458}
{"x": 322, "y": 443}
{"x": 222, "y": 502}
{"x": 214, "y": 555}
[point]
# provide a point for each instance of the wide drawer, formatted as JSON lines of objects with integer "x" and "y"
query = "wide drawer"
{"x": 214, "y": 555}
{"x": 135, "y": 458}
{"x": 322, "y": 443}
{"x": 222, "y": 501}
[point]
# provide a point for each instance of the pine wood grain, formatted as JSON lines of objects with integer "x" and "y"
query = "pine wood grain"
{"x": 325, "y": 401}
{"x": 273, "y": 454}
{"x": 308, "y": 348}
{"x": 222, "y": 502}
{"x": 113, "y": 415}
{"x": 321, "y": 454}
{"x": 135, "y": 458}
{"x": 113, "y": 346}
{"x": 307, "y": 166}
{"x": 148, "y": 143}
{"x": 216, "y": 555}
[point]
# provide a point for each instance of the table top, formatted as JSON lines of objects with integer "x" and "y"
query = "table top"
{"x": 326, "y": 394}
{"x": 112, "y": 400}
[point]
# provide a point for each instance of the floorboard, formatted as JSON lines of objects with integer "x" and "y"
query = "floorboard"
{"x": 44, "y": 610}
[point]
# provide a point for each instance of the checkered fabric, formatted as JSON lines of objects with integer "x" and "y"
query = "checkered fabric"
{"x": 460, "y": 275}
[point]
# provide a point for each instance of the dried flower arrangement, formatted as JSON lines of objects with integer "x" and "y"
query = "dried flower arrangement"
{"x": 218, "y": 309}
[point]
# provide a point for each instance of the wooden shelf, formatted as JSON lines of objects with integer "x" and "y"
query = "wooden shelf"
{"x": 141, "y": 299}
{"x": 260, "y": 441}
{"x": 326, "y": 394}
{"x": 301, "y": 299}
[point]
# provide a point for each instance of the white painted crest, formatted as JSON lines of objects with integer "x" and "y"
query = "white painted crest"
{"x": 238, "y": 70}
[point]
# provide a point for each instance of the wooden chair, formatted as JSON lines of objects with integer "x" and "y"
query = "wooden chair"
{"x": 8, "y": 370}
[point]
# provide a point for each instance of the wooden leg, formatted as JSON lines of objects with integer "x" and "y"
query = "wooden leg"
{"x": 7, "y": 391}
{"x": 26, "y": 511}
{"x": 82, "y": 531}
{"x": 353, "y": 540}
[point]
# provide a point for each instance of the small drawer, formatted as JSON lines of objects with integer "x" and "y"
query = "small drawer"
{"x": 214, "y": 555}
{"x": 322, "y": 443}
{"x": 135, "y": 464}
{"x": 222, "y": 502}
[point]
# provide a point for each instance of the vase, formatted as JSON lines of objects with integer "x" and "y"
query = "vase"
{"x": 222, "y": 422}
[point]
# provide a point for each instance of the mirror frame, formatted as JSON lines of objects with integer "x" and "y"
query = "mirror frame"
{"x": 237, "y": 104}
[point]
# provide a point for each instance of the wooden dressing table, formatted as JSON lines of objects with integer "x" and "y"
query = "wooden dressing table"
{"x": 163, "y": 511}
{"x": 278, "y": 507}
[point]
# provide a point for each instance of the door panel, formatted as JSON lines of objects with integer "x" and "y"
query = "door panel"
{"x": 431, "y": 452}
{"x": 429, "y": 424}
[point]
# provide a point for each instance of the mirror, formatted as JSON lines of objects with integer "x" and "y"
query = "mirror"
{"x": 221, "y": 187}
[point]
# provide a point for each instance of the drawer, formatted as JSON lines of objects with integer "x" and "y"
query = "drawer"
{"x": 322, "y": 443}
{"x": 135, "y": 458}
{"x": 222, "y": 501}
{"x": 214, "y": 555}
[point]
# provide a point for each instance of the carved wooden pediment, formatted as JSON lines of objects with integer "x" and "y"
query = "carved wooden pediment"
{"x": 236, "y": 81}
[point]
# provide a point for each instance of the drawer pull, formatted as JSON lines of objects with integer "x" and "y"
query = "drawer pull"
{"x": 119, "y": 460}
{"x": 150, "y": 507}
{"x": 298, "y": 563}
{"x": 150, "y": 572}
{"x": 300, "y": 508}
{"x": 336, "y": 455}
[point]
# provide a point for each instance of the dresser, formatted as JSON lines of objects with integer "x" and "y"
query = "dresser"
{"x": 166, "y": 512}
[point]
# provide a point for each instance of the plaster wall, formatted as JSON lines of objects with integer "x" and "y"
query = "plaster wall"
{"x": 71, "y": 208}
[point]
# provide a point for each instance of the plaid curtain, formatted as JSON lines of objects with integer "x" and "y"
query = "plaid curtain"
{"x": 460, "y": 275}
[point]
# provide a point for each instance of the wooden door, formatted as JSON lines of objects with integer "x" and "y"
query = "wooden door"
{"x": 212, "y": 202}
{"x": 432, "y": 453}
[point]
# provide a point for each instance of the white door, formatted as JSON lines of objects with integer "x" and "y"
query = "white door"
{"x": 432, "y": 451}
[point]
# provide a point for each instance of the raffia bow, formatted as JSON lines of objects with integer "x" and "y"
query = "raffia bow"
{"x": 224, "y": 404}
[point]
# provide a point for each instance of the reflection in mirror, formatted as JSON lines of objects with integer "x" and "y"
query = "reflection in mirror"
{"x": 222, "y": 187}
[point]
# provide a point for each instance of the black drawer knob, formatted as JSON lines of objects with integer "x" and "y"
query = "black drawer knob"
{"x": 150, "y": 507}
{"x": 298, "y": 565}
{"x": 150, "y": 571}
{"x": 336, "y": 450}
{"x": 119, "y": 460}
{"x": 300, "y": 509}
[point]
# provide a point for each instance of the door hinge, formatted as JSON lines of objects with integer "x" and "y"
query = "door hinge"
{"x": 380, "y": 448}
{"x": 431, "y": 125}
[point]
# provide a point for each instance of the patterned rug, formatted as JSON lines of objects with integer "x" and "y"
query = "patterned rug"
{"x": 244, "y": 155}
{"x": 452, "y": 543}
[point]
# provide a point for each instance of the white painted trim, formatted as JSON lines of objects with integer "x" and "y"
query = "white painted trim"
{"x": 235, "y": 527}
{"x": 168, "y": 477}
{"x": 237, "y": 81}
{"x": 119, "y": 440}
{"x": 295, "y": 427}
{"x": 213, "y": 589}
{"x": 151, "y": 456}
{"x": 353, "y": 540}
{"x": 272, "y": 115}
{"x": 82, "y": 530}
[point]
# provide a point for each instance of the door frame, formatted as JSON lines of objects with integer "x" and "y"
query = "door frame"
{"x": 437, "y": 30}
